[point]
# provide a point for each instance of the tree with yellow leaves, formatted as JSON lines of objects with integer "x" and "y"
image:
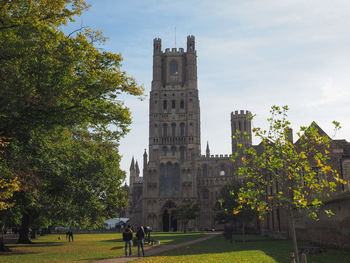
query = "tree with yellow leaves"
{"x": 296, "y": 177}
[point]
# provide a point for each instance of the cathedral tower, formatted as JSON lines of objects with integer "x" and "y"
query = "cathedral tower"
{"x": 241, "y": 129}
{"x": 174, "y": 129}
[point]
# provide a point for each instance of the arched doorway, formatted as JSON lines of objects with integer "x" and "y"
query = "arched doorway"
{"x": 169, "y": 223}
{"x": 173, "y": 224}
{"x": 165, "y": 221}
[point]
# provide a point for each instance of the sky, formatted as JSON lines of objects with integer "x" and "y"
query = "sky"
{"x": 251, "y": 54}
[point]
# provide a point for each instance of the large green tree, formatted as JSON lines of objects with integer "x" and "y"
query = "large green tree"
{"x": 60, "y": 107}
{"x": 185, "y": 212}
{"x": 295, "y": 177}
{"x": 9, "y": 185}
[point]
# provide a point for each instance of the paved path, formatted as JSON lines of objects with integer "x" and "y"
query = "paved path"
{"x": 154, "y": 250}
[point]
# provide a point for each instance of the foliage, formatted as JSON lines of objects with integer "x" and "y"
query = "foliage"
{"x": 285, "y": 175}
{"x": 230, "y": 208}
{"x": 9, "y": 183}
{"x": 79, "y": 181}
{"x": 185, "y": 212}
{"x": 59, "y": 104}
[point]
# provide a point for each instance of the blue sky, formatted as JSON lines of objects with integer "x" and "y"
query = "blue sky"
{"x": 251, "y": 54}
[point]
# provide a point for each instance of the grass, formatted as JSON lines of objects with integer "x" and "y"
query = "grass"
{"x": 91, "y": 247}
{"x": 85, "y": 248}
{"x": 254, "y": 250}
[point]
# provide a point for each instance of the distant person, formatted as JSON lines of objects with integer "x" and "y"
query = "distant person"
{"x": 140, "y": 236}
{"x": 127, "y": 237}
{"x": 70, "y": 235}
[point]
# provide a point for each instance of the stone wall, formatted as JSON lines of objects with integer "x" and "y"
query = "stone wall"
{"x": 329, "y": 231}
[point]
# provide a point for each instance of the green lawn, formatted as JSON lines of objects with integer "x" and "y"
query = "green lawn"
{"x": 86, "y": 247}
{"x": 267, "y": 251}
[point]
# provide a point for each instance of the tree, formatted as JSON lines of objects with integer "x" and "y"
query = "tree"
{"x": 9, "y": 185}
{"x": 185, "y": 212}
{"x": 295, "y": 177}
{"x": 231, "y": 210}
{"x": 52, "y": 82}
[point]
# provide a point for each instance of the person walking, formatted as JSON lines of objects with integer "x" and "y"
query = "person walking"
{"x": 127, "y": 237}
{"x": 140, "y": 236}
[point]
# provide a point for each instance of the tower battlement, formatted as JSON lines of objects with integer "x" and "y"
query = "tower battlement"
{"x": 216, "y": 156}
{"x": 190, "y": 37}
{"x": 241, "y": 123}
{"x": 174, "y": 51}
{"x": 241, "y": 113}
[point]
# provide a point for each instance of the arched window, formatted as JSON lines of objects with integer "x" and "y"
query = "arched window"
{"x": 182, "y": 153}
{"x": 165, "y": 150}
{"x": 174, "y": 68}
{"x": 173, "y": 104}
{"x": 205, "y": 194}
{"x": 173, "y": 129}
{"x": 182, "y": 129}
{"x": 164, "y": 104}
{"x": 169, "y": 177}
{"x": 173, "y": 150}
{"x": 182, "y": 104}
{"x": 165, "y": 130}
{"x": 222, "y": 170}
{"x": 162, "y": 179}
{"x": 177, "y": 178}
{"x": 205, "y": 170}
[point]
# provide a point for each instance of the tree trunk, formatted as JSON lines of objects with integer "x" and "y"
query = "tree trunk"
{"x": 185, "y": 226}
{"x": 294, "y": 236}
{"x": 3, "y": 248}
{"x": 33, "y": 234}
{"x": 243, "y": 230}
{"x": 24, "y": 231}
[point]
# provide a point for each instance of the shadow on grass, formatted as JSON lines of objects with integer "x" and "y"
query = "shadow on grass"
{"x": 253, "y": 250}
{"x": 176, "y": 237}
{"x": 112, "y": 240}
{"x": 168, "y": 237}
{"x": 37, "y": 244}
{"x": 114, "y": 248}
{"x": 17, "y": 253}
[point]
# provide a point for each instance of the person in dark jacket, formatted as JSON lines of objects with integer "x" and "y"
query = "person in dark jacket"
{"x": 69, "y": 235}
{"x": 127, "y": 237}
{"x": 140, "y": 236}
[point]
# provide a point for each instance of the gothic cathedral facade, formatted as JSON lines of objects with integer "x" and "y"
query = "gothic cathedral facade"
{"x": 174, "y": 171}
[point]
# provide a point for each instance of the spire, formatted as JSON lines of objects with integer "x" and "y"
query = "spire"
{"x": 144, "y": 159}
{"x": 137, "y": 169}
{"x": 207, "y": 152}
{"x": 132, "y": 166}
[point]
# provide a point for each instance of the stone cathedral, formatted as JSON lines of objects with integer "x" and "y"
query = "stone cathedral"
{"x": 174, "y": 171}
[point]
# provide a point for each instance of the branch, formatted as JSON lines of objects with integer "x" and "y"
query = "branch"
{"x": 79, "y": 29}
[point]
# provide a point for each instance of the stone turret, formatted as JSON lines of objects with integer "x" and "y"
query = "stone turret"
{"x": 145, "y": 159}
{"x": 191, "y": 62}
{"x": 137, "y": 170}
{"x": 241, "y": 130}
{"x": 207, "y": 152}
{"x": 157, "y": 63}
{"x": 132, "y": 173}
